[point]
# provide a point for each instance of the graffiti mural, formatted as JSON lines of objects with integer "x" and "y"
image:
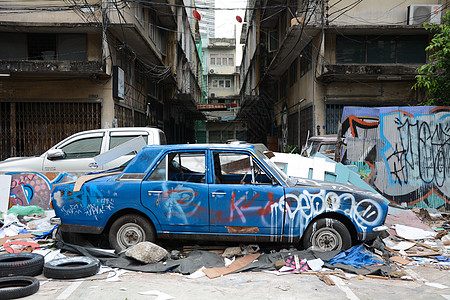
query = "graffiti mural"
{"x": 403, "y": 152}
{"x": 35, "y": 188}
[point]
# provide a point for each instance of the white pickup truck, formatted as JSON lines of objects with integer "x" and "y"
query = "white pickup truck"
{"x": 76, "y": 153}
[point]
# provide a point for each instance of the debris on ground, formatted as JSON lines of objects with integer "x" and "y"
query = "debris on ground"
{"x": 417, "y": 237}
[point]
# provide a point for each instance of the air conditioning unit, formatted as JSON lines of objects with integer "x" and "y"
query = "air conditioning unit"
{"x": 212, "y": 71}
{"x": 424, "y": 13}
{"x": 213, "y": 95}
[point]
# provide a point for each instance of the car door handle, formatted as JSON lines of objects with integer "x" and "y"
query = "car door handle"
{"x": 218, "y": 194}
{"x": 154, "y": 192}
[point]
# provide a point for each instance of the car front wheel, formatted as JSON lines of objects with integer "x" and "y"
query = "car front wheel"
{"x": 129, "y": 230}
{"x": 327, "y": 235}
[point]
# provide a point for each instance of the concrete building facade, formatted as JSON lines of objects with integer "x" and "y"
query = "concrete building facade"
{"x": 94, "y": 64}
{"x": 301, "y": 65}
{"x": 221, "y": 77}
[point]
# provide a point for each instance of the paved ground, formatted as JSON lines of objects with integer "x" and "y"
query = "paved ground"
{"x": 248, "y": 285}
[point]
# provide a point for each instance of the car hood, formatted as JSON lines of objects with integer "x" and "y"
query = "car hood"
{"x": 20, "y": 164}
{"x": 339, "y": 187}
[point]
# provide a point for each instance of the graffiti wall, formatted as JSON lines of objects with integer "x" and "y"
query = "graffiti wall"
{"x": 35, "y": 188}
{"x": 403, "y": 152}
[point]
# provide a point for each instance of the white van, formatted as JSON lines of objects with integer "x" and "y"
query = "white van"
{"x": 76, "y": 153}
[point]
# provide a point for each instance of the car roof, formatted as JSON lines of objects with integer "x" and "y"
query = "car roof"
{"x": 122, "y": 129}
{"x": 202, "y": 146}
{"x": 324, "y": 138}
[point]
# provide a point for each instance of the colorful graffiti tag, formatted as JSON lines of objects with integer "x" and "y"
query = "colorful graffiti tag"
{"x": 404, "y": 152}
{"x": 35, "y": 188}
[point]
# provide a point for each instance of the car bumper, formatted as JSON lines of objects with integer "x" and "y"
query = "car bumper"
{"x": 81, "y": 228}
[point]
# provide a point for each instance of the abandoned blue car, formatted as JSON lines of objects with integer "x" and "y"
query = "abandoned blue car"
{"x": 216, "y": 192}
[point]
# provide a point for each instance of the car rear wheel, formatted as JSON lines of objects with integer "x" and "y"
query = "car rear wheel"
{"x": 327, "y": 235}
{"x": 129, "y": 230}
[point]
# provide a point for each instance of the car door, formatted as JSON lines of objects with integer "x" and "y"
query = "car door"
{"x": 116, "y": 138}
{"x": 243, "y": 195}
{"x": 176, "y": 192}
{"x": 79, "y": 153}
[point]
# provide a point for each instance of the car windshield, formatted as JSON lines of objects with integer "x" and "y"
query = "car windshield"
{"x": 289, "y": 181}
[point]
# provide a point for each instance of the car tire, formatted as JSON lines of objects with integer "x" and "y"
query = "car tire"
{"x": 327, "y": 234}
{"x": 18, "y": 287}
{"x": 71, "y": 267}
{"x": 21, "y": 264}
{"x": 129, "y": 230}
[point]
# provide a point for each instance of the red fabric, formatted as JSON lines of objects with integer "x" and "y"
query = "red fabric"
{"x": 23, "y": 243}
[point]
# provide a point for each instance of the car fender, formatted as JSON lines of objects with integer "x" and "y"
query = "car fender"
{"x": 134, "y": 209}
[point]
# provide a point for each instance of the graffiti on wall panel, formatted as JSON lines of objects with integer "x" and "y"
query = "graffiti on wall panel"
{"x": 409, "y": 162}
{"x": 34, "y": 188}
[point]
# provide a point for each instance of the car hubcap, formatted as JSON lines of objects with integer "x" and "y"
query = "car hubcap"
{"x": 129, "y": 235}
{"x": 326, "y": 239}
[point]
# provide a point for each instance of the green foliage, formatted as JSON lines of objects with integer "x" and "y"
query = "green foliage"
{"x": 292, "y": 149}
{"x": 435, "y": 76}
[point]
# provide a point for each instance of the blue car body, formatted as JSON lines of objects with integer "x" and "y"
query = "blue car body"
{"x": 217, "y": 192}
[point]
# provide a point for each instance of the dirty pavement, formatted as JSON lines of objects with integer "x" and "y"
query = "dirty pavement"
{"x": 411, "y": 261}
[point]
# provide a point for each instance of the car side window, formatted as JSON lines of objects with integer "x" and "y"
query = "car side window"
{"x": 232, "y": 168}
{"x": 115, "y": 141}
{"x": 83, "y": 148}
{"x": 118, "y": 140}
{"x": 160, "y": 172}
{"x": 238, "y": 168}
{"x": 181, "y": 166}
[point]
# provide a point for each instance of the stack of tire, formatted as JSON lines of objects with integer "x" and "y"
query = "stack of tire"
{"x": 16, "y": 274}
{"x": 17, "y": 271}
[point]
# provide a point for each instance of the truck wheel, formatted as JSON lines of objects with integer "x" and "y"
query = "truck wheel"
{"x": 327, "y": 235}
{"x": 129, "y": 230}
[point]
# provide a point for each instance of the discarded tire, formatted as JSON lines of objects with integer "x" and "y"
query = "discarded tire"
{"x": 71, "y": 267}
{"x": 21, "y": 264}
{"x": 18, "y": 287}
{"x": 327, "y": 235}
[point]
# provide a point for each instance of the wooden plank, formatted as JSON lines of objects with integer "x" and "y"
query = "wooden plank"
{"x": 325, "y": 279}
{"x": 235, "y": 266}
{"x": 16, "y": 237}
{"x": 400, "y": 260}
{"x": 418, "y": 243}
{"x": 377, "y": 277}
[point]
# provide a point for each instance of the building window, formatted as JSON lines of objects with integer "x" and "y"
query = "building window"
{"x": 215, "y": 83}
{"x": 333, "y": 116}
{"x": 228, "y": 83}
{"x": 293, "y": 73}
{"x": 152, "y": 28}
{"x": 43, "y": 46}
{"x": 221, "y": 83}
{"x": 306, "y": 59}
{"x": 376, "y": 49}
{"x": 273, "y": 40}
{"x": 71, "y": 46}
{"x": 222, "y": 59}
{"x": 306, "y": 124}
{"x": 139, "y": 12}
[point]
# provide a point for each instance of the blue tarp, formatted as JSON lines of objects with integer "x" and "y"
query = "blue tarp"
{"x": 356, "y": 256}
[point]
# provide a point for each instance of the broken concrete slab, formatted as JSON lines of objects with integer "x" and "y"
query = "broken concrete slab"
{"x": 147, "y": 252}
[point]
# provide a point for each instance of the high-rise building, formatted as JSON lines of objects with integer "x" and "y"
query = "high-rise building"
{"x": 208, "y": 21}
